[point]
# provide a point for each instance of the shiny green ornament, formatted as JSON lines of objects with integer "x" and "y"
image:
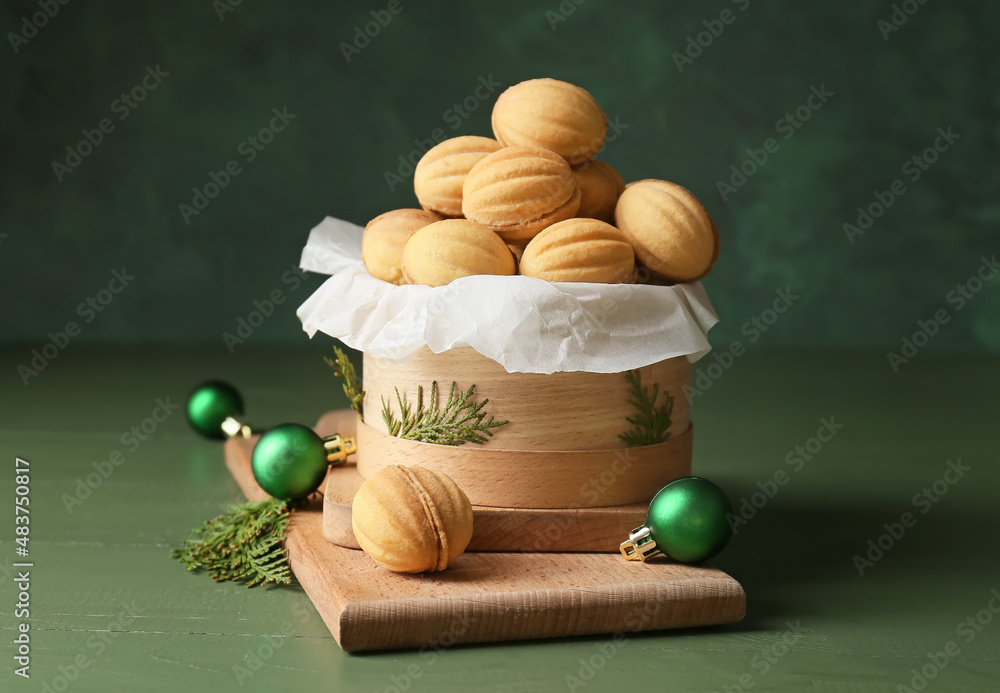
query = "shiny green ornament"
{"x": 687, "y": 520}
{"x": 210, "y": 405}
{"x": 290, "y": 461}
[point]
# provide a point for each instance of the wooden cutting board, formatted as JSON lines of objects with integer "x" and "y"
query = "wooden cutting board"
{"x": 491, "y": 597}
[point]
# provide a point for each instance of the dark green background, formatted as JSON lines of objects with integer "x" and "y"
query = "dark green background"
{"x": 783, "y": 228}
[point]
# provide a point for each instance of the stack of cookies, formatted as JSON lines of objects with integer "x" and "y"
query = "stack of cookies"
{"x": 535, "y": 201}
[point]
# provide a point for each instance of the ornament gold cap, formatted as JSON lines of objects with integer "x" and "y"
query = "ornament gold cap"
{"x": 338, "y": 447}
{"x": 640, "y": 545}
{"x": 234, "y": 426}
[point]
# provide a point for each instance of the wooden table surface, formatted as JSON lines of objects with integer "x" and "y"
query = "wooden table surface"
{"x": 110, "y": 611}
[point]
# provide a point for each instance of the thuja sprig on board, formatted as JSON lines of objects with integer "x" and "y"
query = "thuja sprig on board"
{"x": 460, "y": 421}
{"x": 651, "y": 423}
{"x": 343, "y": 368}
{"x": 244, "y": 544}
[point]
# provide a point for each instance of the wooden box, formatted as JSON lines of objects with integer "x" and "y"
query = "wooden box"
{"x": 557, "y": 477}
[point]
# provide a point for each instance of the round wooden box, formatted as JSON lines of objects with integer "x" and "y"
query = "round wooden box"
{"x": 561, "y": 447}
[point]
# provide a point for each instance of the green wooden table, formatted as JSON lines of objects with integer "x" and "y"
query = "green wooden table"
{"x": 829, "y": 450}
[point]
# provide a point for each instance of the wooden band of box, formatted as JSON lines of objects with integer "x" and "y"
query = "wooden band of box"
{"x": 559, "y": 411}
{"x": 537, "y": 478}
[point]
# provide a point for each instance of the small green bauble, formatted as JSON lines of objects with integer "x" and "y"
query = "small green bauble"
{"x": 210, "y": 404}
{"x": 688, "y": 520}
{"x": 289, "y": 461}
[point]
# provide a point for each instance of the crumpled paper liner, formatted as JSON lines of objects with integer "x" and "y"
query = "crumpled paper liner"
{"x": 526, "y": 325}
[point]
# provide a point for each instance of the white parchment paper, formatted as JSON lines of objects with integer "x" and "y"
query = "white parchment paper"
{"x": 527, "y": 325}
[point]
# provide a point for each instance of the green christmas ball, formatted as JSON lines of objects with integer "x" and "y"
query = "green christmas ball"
{"x": 687, "y": 519}
{"x": 210, "y": 404}
{"x": 289, "y": 461}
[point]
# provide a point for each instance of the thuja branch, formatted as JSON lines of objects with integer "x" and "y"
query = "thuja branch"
{"x": 461, "y": 420}
{"x": 651, "y": 423}
{"x": 343, "y": 368}
{"x": 244, "y": 544}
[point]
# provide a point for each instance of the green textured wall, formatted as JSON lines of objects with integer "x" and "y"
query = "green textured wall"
{"x": 782, "y": 228}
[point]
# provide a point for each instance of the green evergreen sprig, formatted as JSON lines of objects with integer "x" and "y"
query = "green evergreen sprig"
{"x": 651, "y": 423}
{"x": 343, "y": 368}
{"x": 244, "y": 544}
{"x": 460, "y": 421}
